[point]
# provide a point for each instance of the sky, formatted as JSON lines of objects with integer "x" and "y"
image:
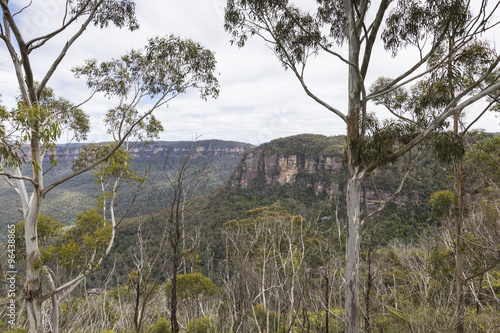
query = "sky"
{"x": 259, "y": 100}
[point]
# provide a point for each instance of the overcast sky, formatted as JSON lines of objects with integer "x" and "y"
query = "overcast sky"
{"x": 258, "y": 101}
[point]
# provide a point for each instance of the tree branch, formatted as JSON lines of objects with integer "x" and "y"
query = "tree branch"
{"x": 118, "y": 144}
{"x": 62, "y": 54}
{"x": 44, "y": 39}
{"x": 384, "y": 4}
{"x": 497, "y": 261}
{"x": 11, "y": 176}
{"x": 388, "y": 201}
{"x": 450, "y": 110}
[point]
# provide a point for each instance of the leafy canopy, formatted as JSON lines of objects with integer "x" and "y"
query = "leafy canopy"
{"x": 167, "y": 66}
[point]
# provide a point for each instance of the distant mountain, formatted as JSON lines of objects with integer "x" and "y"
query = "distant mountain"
{"x": 81, "y": 192}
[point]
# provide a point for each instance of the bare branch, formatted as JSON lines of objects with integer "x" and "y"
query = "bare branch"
{"x": 22, "y": 9}
{"x": 61, "y": 288}
{"x": 388, "y": 201}
{"x": 11, "y": 176}
{"x": 40, "y": 41}
{"x": 62, "y": 54}
{"x": 489, "y": 268}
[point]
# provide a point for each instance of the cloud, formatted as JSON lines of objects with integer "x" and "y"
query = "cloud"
{"x": 259, "y": 100}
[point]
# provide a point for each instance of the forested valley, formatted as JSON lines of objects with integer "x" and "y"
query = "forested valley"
{"x": 268, "y": 257}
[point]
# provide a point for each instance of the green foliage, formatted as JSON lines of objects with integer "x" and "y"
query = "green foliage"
{"x": 119, "y": 13}
{"x": 411, "y": 22}
{"x": 193, "y": 286}
{"x": 442, "y": 270}
{"x": 9, "y": 149}
{"x": 384, "y": 138}
{"x": 49, "y": 229}
{"x": 117, "y": 166}
{"x": 167, "y": 66}
{"x": 484, "y": 156}
{"x": 297, "y": 32}
{"x": 201, "y": 325}
{"x": 47, "y": 119}
{"x": 442, "y": 202}
{"x": 307, "y": 145}
{"x": 123, "y": 117}
{"x": 448, "y": 147}
{"x": 162, "y": 326}
{"x": 83, "y": 245}
{"x": 276, "y": 320}
{"x": 17, "y": 330}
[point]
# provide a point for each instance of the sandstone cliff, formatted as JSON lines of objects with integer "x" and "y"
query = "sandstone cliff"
{"x": 205, "y": 148}
{"x": 308, "y": 160}
{"x": 313, "y": 161}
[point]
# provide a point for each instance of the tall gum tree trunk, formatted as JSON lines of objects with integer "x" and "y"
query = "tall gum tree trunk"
{"x": 32, "y": 285}
{"x": 351, "y": 324}
{"x": 354, "y": 176}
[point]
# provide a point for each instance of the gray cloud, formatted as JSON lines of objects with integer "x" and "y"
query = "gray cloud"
{"x": 259, "y": 100}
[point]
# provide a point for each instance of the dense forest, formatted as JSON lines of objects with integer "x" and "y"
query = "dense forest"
{"x": 269, "y": 257}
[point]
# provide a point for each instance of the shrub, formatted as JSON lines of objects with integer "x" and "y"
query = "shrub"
{"x": 162, "y": 326}
{"x": 201, "y": 325}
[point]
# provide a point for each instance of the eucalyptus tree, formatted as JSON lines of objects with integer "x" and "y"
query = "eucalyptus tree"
{"x": 453, "y": 70}
{"x": 184, "y": 181}
{"x": 165, "y": 68}
{"x": 271, "y": 251}
{"x": 349, "y": 32}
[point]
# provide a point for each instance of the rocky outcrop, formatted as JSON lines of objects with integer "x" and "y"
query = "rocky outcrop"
{"x": 259, "y": 167}
{"x": 309, "y": 161}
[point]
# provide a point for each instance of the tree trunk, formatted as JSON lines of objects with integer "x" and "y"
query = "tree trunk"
{"x": 369, "y": 283}
{"x": 459, "y": 248}
{"x": 32, "y": 285}
{"x": 137, "y": 303}
{"x": 327, "y": 302}
{"x": 351, "y": 324}
{"x": 173, "y": 298}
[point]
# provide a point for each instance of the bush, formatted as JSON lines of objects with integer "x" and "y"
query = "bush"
{"x": 203, "y": 325}
{"x": 275, "y": 319}
{"x": 162, "y": 326}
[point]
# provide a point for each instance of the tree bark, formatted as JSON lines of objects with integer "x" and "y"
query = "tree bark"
{"x": 173, "y": 299}
{"x": 369, "y": 284}
{"x": 32, "y": 286}
{"x": 174, "y": 242}
{"x": 355, "y": 133}
{"x": 351, "y": 324}
{"x": 460, "y": 241}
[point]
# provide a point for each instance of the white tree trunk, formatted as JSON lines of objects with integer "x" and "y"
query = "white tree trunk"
{"x": 32, "y": 285}
{"x": 351, "y": 324}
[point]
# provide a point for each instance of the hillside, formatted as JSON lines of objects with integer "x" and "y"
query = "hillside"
{"x": 305, "y": 175}
{"x": 80, "y": 193}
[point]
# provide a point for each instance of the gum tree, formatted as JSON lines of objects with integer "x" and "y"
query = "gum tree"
{"x": 165, "y": 68}
{"x": 184, "y": 181}
{"x": 349, "y": 32}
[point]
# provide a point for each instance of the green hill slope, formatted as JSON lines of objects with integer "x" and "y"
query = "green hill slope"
{"x": 80, "y": 193}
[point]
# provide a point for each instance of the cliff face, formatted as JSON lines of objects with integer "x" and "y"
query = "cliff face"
{"x": 265, "y": 165}
{"x": 207, "y": 148}
{"x": 313, "y": 164}
{"x": 220, "y": 158}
